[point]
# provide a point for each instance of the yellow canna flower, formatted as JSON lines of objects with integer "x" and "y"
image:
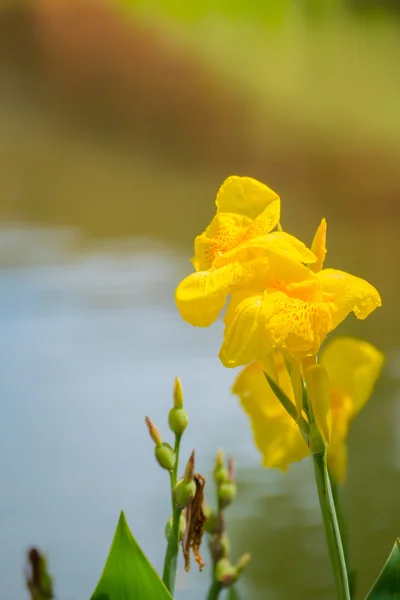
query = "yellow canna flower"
{"x": 353, "y": 367}
{"x": 293, "y": 314}
{"x": 238, "y": 249}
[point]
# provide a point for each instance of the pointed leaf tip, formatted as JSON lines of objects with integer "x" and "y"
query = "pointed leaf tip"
{"x": 387, "y": 586}
{"x": 127, "y": 574}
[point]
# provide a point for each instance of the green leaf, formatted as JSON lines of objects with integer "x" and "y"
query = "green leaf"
{"x": 387, "y": 586}
{"x": 127, "y": 574}
{"x": 287, "y": 404}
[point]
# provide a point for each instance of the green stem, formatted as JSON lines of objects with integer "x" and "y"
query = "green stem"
{"x": 332, "y": 531}
{"x": 351, "y": 573}
{"x": 341, "y": 519}
{"x": 172, "y": 552}
{"x": 214, "y": 591}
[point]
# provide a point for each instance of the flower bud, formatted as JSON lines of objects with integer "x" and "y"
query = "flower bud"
{"x": 178, "y": 393}
{"x": 210, "y": 523}
{"x": 184, "y": 493}
{"x": 221, "y": 476}
{"x": 178, "y": 420}
{"x": 165, "y": 456}
{"x": 182, "y": 527}
{"x": 226, "y": 493}
{"x": 219, "y": 460}
{"x": 225, "y": 573}
{"x": 219, "y": 547}
{"x": 185, "y": 489}
{"x": 214, "y": 523}
{"x": 220, "y": 473}
{"x": 153, "y": 431}
{"x": 243, "y": 562}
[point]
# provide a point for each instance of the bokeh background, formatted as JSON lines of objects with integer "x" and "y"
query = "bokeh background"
{"x": 118, "y": 123}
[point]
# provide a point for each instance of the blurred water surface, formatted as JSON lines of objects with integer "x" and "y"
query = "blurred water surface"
{"x": 91, "y": 341}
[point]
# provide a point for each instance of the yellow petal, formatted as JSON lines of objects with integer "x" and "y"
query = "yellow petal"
{"x": 201, "y": 296}
{"x": 319, "y": 396}
{"x": 337, "y": 462}
{"x": 318, "y": 246}
{"x": 275, "y": 433}
{"x": 278, "y": 242}
{"x": 225, "y": 232}
{"x": 353, "y": 367}
{"x": 293, "y": 247}
{"x": 249, "y": 197}
{"x": 348, "y": 293}
{"x": 295, "y": 325}
{"x": 243, "y": 340}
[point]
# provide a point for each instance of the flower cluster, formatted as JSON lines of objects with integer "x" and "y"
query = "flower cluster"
{"x": 282, "y": 305}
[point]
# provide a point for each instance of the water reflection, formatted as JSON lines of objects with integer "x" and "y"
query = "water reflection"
{"x": 91, "y": 342}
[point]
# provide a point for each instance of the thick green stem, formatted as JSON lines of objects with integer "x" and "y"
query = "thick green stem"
{"x": 172, "y": 552}
{"x": 214, "y": 591}
{"x": 332, "y": 531}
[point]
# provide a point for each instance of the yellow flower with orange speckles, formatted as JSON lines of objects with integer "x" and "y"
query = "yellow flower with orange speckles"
{"x": 280, "y": 297}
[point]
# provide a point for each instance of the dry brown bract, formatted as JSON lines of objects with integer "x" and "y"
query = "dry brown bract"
{"x": 195, "y": 519}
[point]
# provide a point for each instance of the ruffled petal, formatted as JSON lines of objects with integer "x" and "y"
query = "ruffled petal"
{"x": 224, "y": 233}
{"x": 243, "y": 339}
{"x": 249, "y": 197}
{"x": 353, "y": 368}
{"x": 201, "y": 296}
{"x": 278, "y": 242}
{"x": 318, "y": 246}
{"x": 348, "y": 293}
{"x": 276, "y": 435}
{"x": 295, "y": 325}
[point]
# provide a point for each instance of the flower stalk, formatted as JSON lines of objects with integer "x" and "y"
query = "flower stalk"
{"x": 214, "y": 591}
{"x": 331, "y": 525}
{"x": 172, "y": 552}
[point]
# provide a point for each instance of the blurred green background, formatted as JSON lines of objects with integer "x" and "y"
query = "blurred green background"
{"x": 118, "y": 123}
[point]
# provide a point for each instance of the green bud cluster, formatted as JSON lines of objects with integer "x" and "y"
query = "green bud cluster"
{"x": 178, "y": 421}
{"x": 224, "y": 572}
{"x": 224, "y": 479}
